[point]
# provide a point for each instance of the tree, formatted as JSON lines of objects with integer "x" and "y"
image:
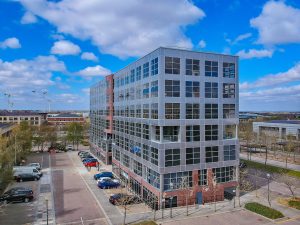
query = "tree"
{"x": 6, "y": 163}
{"x": 44, "y": 134}
{"x": 290, "y": 182}
{"x": 288, "y": 147}
{"x": 75, "y": 133}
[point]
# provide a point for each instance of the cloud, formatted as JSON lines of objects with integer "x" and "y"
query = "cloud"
{"x": 292, "y": 75}
{"x": 202, "y": 44}
{"x": 242, "y": 37}
{"x": 278, "y": 23}
{"x": 254, "y": 53}
{"x": 10, "y": 43}
{"x": 65, "y": 48}
{"x": 94, "y": 71}
{"x": 86, "y": 91}
{"x": 121, "y": 28}
{"x": 23, "y": 74}
{"x": 89, "y": 56}
{"x": 28, "y": 18}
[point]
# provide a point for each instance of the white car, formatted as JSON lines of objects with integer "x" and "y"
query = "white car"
{"x": 107, "y": 178}
{"x": 36, "y": 165}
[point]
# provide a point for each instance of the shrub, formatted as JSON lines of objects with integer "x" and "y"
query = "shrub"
{"x": 263, "y": 210}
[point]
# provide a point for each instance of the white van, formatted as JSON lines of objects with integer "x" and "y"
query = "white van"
{"x": 25, "y": 169}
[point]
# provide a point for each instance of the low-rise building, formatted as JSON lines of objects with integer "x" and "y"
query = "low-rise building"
{"x": 64, "y": 119}
{"x": 278, "y": 128}
{"x": 17, "y": 116}
{"x": 6, "y": 129}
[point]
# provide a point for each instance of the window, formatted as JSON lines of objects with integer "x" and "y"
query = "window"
{"x": 211, "y": 132}
{"x": 132, "y": 75}
{"x": 146, "y": 70}
{"x": 138, "y": 129}
{"x": 131, "y": 110}
{"x": 154, "y": 66}
{"x": 138, "y": 73}
{"x": 127, "y": 79}
{"x": 172, "y": 88}
{"x": 211, "y": 90}
{"x": 193, "y": 155}
{"x": 146, "y": 131}
{"x": 154, "y": 156}
{"x": 154, "y": 111}
{"x": 172, "y": 110}
{"x": 125, "y": 160}
{"x": 152, "y": 177}
{"x": 146, "y": 90}
{"x": 138, "y": 112}
{"x": 154, "y": 88}
{"x": 229, "y": 70}
{"x": 202, "y": 177}
{"x": 211, "y": 154}
{"x": 137, "y": 168}
{"x": 172, "y": 65}
{"x": 146, "y": 152}
{"x": 170, "y": 133}
{"x": 211, "y": 69}
{"x": 224, "y": 174}
{"x": 229, "y": 132}
{"x": 172, "y": 157}
{"x": 192, "y": 67}
{"x": 228, "y": 111}
{"x": 211, "y": 111}
{"x": 192, "y": 133}
{"x": 228, "y": 90}
{"x": 176, "y": 179}
{"x": 229, "y": 152}
{"x": 157, "y": 133}
{"x": 192, "y": 89}
{"x": 192, "y": 111}
{"x": 146, "y": 111}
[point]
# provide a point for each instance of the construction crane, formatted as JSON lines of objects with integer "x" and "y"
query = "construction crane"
{"x": 10, "y": 104}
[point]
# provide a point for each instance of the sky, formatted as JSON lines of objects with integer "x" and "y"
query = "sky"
{"x": 51, "y": 52}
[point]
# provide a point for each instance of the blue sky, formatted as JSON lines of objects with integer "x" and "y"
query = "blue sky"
{"x": 51, "y": 52}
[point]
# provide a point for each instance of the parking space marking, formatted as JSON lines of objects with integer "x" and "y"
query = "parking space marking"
{"x": 90, "y": 190}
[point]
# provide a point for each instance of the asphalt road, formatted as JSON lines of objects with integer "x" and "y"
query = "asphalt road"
{"x": 73, "y": 201}
{"x": 24, "y": 213}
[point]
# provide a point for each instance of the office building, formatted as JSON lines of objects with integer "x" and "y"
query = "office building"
{"x": 17, "y": 116}
{"x": 174, "y": 125}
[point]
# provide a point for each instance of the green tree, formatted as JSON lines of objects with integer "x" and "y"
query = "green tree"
{"x": 75, "y": 133}
{"x": 6, "y": 163}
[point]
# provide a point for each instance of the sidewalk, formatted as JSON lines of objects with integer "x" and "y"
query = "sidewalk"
{"x": 271, "y": 162}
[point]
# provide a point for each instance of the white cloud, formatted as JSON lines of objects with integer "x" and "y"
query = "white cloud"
{"x": 10, "y": 43}
{"x": 89, "y": 56}
{"x": 94, "y": 71}
{"x": 28, "y": 18}
{"x": 86, "y": 91}
{"x": 57, "y": 37}
{"x": 254, "y": 53}
{"x": 65, "y": 48}
{"x": 278, "y": 23}
{"x": 25, "y": 74}
{"x": 202, "y": 44}
{"x": 121, "y": 28}
{"x": 293, "y": 74}
{"x": 242, "y": 37}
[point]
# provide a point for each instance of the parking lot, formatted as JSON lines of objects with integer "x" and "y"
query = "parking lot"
{"x": 23, "y": 213}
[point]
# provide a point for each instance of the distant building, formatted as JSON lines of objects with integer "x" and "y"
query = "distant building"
{"x": 64, "y": 119}
{"x": 6, "y": 129}
{"x": 278, "y": 128}
{"x": 32, "y": 117}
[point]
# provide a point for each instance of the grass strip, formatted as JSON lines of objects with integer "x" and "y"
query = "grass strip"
{"x": 263, "y": 210}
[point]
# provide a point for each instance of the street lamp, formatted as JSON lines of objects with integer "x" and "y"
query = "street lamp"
{"x": 214, "y": 186}
{"x": 171, "y": 198}
{"x": 46, "y": 200}
{"x": 268, "y": 176}
{"x": 233, "y": 198}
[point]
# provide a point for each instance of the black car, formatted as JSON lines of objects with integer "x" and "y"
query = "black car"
{"x": 18, "y": 194}
{"x": 27, "y": 177}
{"x": 242, "y": 165}
{"x": 121, "y": 199}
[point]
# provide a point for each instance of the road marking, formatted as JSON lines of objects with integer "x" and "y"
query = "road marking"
{"x": 95, "y": 197}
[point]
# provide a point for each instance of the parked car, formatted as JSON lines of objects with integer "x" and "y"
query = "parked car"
{"x": 89, "y": 160}
{"x": 120, "y": 198}
{"x": 103, "y": 174}
{"x": 107, "y": 178}
{"x": 108, "y": 184}
{"x": 17, "y": 194}
{"x": 70, "y": 148}
{"x": 36, "y": 165}
{"x": 87, "y": 157}
{"x": 27, "y": 177}
{"x": 91, "y": 164}
{"x": 79, "y": 152}
{"x": 25, "y": 169}
{"x": 242, "y": 165}
{"x": 84, "y": 155}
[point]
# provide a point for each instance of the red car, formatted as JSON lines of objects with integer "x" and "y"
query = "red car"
{"x": 91, "y": 164}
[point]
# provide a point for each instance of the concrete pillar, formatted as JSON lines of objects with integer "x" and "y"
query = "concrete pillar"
{"x": 161, "y": 184}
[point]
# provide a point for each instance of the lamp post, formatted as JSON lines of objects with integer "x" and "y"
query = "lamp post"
{"x": 268, "y": 176}
{"x": 47, "y": 210}
{"x": 214, "y": 186}
{"x": 162, "y": 208}
{"x": 171, "y": 198}
{"x": 233, "y": 198}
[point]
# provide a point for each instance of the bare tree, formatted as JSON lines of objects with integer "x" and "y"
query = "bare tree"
{"x": 288, "y": 147}
{"x": 290, "y": 182}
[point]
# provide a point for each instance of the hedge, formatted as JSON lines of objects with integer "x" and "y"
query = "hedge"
{"x": 263, "y": 210}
